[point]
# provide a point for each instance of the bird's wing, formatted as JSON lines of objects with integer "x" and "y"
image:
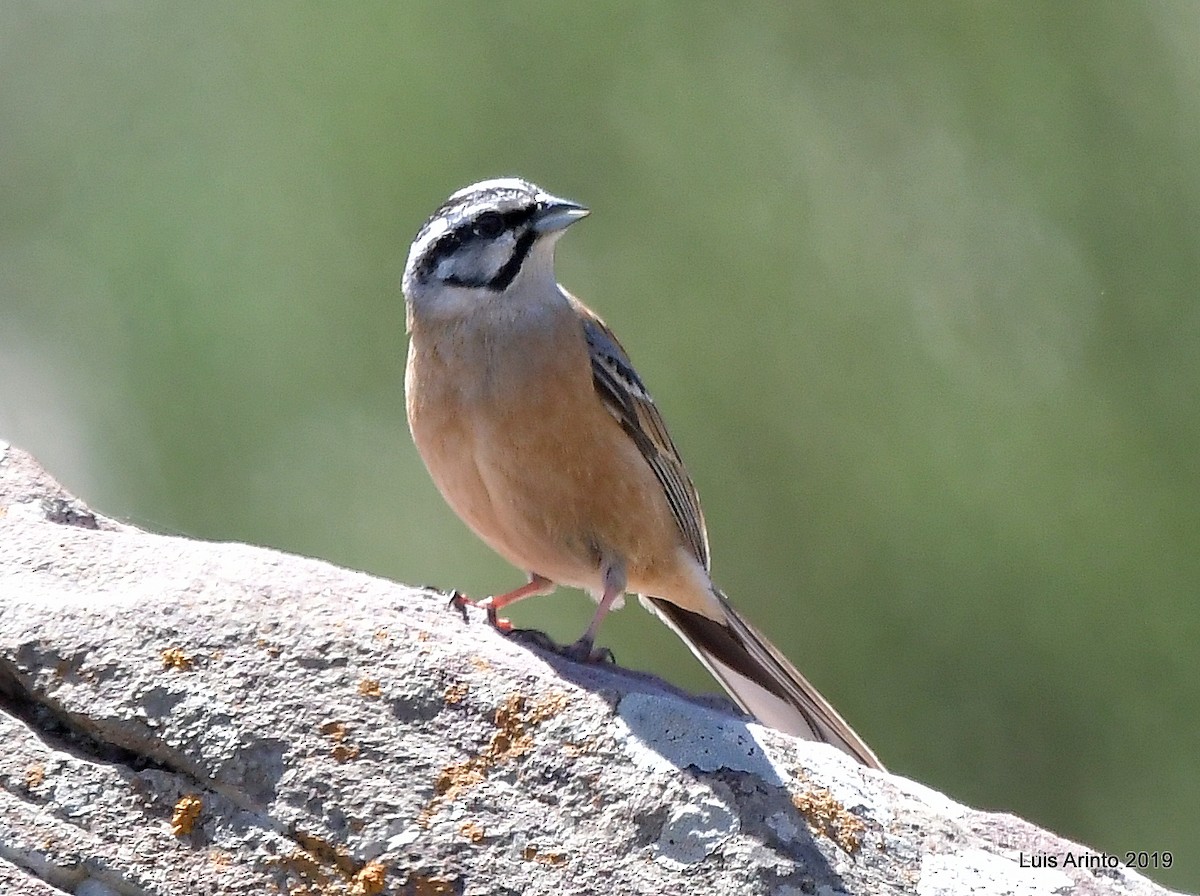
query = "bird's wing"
{"x": 749, "y": 667}
{"x": 626, "y": 398}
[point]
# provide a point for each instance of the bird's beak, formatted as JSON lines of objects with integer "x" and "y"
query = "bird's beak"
{"x": 558, "y": 214}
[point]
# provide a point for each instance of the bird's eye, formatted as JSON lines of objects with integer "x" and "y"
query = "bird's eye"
{"x": 488, "y": 225}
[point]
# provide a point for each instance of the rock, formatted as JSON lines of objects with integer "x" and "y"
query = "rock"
{"x": 180, "y": 717}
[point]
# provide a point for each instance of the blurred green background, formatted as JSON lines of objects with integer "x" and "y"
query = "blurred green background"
{"x": 915, "y": 286}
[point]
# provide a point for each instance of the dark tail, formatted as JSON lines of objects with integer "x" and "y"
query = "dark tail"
{"x": 761, "y": 679}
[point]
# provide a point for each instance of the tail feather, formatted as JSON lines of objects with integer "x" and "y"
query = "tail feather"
{"x": 760, "y": 678}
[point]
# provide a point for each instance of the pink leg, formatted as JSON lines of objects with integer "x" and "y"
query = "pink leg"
{"x": 535, "y": 586}
{"x": 585, "y": 648}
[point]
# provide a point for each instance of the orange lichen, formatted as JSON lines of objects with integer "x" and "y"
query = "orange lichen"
{"x": 187, "y": 810}
{"x": 456, "y": 692}
{"x": 514, "y": 720}
{"x": 334, "y": 729}
{"x": 531, "y": 853}
{"x": 370, "y": 880}
{"x": 35, "y": 774}
{"x": 473, "y": 832}
{"x": 176, "y": 658}
{"x": 828, "y": 817}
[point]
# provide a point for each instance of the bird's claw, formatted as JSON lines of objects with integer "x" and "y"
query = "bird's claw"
{"x": 584, "y": 651}
{"x": 460, "y": 602}
{"x": 580, "y": 651}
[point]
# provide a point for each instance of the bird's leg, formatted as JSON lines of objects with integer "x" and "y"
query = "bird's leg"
{"x": 584, "y": 650}
{"x": 535, "y": 586}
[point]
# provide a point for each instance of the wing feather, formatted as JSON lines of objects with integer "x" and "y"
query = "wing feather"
{"x": 626, "y": 398}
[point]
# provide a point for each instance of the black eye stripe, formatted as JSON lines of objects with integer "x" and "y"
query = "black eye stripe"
{"x": 450, "y": 242}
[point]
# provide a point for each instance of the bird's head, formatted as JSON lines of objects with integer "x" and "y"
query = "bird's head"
{"x": 484, "y": 239}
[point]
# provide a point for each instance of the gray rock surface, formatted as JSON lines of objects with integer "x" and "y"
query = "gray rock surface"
{"x": 180, "y": 717}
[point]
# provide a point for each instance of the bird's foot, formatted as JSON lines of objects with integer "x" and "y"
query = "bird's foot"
{"x": 585, "y": 651}
{"x": 582, "y": 651}
{"x": 577, "y": 652}
{"x": 460, "y": 602}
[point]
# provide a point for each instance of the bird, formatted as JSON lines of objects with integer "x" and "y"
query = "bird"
{"x": 541, "y": 436}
